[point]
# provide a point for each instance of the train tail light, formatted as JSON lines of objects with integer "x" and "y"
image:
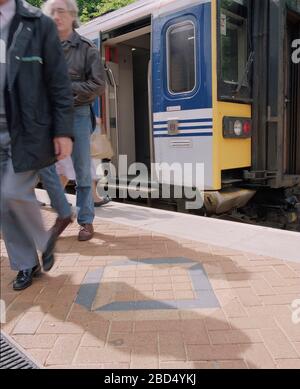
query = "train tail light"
{"x": 237, "y": 128}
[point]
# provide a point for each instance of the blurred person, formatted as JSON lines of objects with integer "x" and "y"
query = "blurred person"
{"x": 36, "y": 129}
{"x": 55, "y": 178}
{"x": 55, "y": 189}
{"x": 66, "y": 172}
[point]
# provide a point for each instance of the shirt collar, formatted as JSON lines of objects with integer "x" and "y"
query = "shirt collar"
{"x": 73, "y": 39}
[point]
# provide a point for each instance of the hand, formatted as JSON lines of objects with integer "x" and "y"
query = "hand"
{"x": 63, "y": 147}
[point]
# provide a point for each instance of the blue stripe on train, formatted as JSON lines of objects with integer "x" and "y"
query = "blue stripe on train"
{"x": 185, "y": 121}
{"x": 184, "y": 135}
{"x": 187, "y": 128}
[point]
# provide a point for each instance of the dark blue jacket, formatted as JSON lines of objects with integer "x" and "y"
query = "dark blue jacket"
{"x": 38, "y": 95}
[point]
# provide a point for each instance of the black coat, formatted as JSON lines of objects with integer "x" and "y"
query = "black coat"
{"x": 38, "y": 95}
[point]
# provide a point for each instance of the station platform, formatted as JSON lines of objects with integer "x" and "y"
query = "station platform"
{"x": 157, "y": 289}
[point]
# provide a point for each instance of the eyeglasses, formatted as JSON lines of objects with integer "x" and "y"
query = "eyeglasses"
{"x": 60, "y": 11}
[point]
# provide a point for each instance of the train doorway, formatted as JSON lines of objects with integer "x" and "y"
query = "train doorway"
{"x": 128, "y": 98}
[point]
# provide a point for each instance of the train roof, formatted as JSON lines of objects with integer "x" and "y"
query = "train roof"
{"x": 136, "y": 11}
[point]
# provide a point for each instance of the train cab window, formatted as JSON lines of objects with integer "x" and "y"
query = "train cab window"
{"x": 233, "y": 49}
{"x": 181, "y": 57}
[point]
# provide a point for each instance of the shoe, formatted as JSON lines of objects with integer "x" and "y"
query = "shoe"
{"x": 86, "y": 232}
{"x": 61, "y": 224}
{"x": 48, "y": 262}
{"x": 102, "y": 202}
{"x": 48, "y": 255}
{"x": 24, "y": 277}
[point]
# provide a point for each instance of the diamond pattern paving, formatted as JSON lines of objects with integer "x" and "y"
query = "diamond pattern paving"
{"x": 101, "y": 291}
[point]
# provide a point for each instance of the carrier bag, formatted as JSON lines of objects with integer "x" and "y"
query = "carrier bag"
{"x": 100, "y": 146}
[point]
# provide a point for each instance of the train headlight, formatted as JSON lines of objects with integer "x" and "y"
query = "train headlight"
{"x": 237, "y": 128}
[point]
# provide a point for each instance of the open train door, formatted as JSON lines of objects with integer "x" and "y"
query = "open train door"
{"x": 127, "y": 52}
{"x": 110, "y": 105}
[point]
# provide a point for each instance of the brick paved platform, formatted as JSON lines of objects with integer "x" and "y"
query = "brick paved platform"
{"x": 131, "y": 298}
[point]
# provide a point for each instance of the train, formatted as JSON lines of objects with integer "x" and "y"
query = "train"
{"x": 209, "y": 82}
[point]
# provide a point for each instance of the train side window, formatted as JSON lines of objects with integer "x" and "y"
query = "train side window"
{"x": 181, "y": 57}
{"x": 234, "y": 49}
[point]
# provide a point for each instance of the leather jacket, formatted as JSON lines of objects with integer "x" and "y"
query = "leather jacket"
{"x": 85, "y": 68}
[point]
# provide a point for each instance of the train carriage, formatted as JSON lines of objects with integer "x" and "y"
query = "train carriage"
{"x": 213, "y": 82}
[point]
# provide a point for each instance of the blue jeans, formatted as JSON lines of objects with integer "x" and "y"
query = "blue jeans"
{"x": 51, "y": 183}
{"x": 81, "y": 157}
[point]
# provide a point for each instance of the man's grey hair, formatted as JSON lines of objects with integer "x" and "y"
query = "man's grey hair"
{"x": 72, "y": 7}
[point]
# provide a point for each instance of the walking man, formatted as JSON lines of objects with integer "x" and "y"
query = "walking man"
{"x": 36, "y": 129}
{"x": 87, "y": 76}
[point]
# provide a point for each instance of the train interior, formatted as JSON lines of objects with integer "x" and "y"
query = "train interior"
{"x": 128, "y": 107}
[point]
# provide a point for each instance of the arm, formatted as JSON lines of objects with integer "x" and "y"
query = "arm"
{"x": 95, "y": 79}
